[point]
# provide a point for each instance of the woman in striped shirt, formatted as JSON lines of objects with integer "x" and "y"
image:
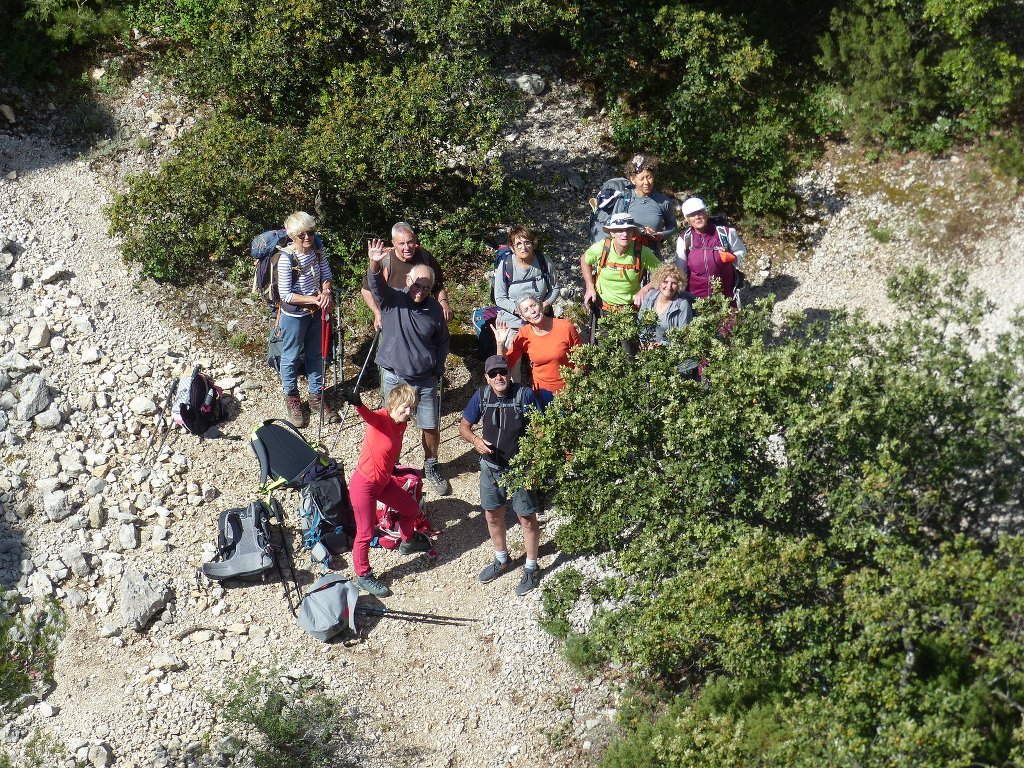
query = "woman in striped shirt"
{"x": 304, "y": 282}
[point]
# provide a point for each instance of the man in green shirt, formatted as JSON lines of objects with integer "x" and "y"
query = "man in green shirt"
{"x": 621, "y": 262}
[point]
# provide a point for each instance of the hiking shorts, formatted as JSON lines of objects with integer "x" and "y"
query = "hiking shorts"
{"x": 494, "y": 496}
{"x": 426, "y": 411}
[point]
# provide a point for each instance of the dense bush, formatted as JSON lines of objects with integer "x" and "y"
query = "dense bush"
{"x": 926, "y": 74}
{"x": 361, "y": 114}
{"x": 38, "y": 31}
{"x": 815, "y": 524}
{"x": 284, "y": 723}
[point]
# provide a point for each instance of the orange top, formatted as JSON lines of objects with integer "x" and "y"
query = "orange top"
{"x": 548, "y": 352}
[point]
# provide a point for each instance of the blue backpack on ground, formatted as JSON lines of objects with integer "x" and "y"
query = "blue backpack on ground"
{"x": 329, "y": 525}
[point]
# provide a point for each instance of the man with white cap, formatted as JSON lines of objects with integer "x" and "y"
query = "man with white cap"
{"x": 621, "y": 262}
{"x": 709, "y": 249}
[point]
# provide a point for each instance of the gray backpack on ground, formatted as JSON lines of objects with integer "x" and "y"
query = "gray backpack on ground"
{"x": 324, "y": 609}
{"x": 243, "y": 542}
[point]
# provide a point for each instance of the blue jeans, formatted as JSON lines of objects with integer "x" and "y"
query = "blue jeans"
{"x": 301, "y": 335}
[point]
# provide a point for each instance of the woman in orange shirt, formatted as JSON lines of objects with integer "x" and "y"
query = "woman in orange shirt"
{"x": 547, "y": 340}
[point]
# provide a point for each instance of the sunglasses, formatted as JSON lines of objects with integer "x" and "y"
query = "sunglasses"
{"x": 498, "y": 372}
{"x": 311, "y": 234}
{"x": 422, "y": 286}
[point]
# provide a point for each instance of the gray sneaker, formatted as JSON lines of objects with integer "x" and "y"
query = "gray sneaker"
{"x": 494, "y": 570}
{"x": 432, "y": 472}
{"x": 531, "y": 580}
{"x": 368, "y": 583}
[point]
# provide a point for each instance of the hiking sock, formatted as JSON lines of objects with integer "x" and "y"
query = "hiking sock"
{"x": 501, "y": 557}
{"x": 430, "y": 462}
{"x": 531, "y": 565}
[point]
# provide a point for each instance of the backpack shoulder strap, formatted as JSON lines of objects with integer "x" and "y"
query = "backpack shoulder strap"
{"x": 605, "y": 250}
{"x": 638, "y": 249}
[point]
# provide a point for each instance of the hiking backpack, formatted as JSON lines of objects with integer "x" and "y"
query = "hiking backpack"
{"x": 286, "y": 459}
{"x": 386, "y": 533}
{"x": 606, "y": 250}
{"x": 327, "y": 518}
{"x": 491, "y": 407}
{"x": 244, "y": 545}
{"x": 328, "y": 607}
{"x": 265, "y": 250}
{"x": 614, "y": 196}
{"x": 197, "y": 403}
{"x": 721, "y": 226}
{"x": 503, "y": 258}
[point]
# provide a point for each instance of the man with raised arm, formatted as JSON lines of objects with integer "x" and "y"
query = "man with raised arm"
{"x": 413, "y": 349}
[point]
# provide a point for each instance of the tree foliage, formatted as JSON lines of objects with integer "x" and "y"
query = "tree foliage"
{"x": 826, "y": 524}
{"x": 360, "y": 113}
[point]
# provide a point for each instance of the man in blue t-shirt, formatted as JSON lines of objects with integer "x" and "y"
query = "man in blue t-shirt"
{"x": 503, "y": 406}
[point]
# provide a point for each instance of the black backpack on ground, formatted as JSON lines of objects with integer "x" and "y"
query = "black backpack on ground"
{"x": 286, "y": 459}
{"x": 197, "y": 403}
{"x": 244, "y": 544}
{"x": 329, "y": 525}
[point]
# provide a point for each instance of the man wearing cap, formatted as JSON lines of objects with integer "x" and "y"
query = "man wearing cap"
{"x": 413, "y": 349}
{"x": 621, "y": 262}
{"x": 504, "y": 407}
{"x": 709, "y": 249}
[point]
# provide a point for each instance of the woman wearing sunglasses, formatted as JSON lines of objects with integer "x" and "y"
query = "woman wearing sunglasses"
{"x": 304, "y": 282}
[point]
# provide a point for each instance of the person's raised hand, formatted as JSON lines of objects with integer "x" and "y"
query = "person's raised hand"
{"x": 351, "y": 397}
{"x": 376, "y": 250}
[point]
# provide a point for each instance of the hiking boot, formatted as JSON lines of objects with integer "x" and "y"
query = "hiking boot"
{"x": 439, "y": 482}
{"x": 494, "y": 570}
{"x": 330, "y": 415}
{"x": 293, "y": 410}
{"x": 531, "y": 580}
{"x": 420, "y": 542}
{"x": 368, "y": 583}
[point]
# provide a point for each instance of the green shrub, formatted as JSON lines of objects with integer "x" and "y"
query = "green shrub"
{"x": 925, "y": 75}
{"x": 28, "y": 643}
{"x": 558, "y": 597}
{"x": 819, "y": 525}
{"x": 288, "y": 724}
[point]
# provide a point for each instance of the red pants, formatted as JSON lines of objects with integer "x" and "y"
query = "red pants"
{"x": 364, "y": 496}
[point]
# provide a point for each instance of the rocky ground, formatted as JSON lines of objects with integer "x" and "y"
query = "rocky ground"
{"x": 116, "y": 536}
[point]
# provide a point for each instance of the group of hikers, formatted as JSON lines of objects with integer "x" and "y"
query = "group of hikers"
{"x": 404, "y": 288}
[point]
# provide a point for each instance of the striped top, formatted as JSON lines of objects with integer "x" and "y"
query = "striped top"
{"x": 300, "y": 274}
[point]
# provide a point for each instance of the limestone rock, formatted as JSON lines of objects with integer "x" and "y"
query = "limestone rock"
{"x": 33, "y": 396}
{"x": 142, "y": 597}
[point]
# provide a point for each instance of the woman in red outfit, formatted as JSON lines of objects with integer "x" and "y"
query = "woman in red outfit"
{"x": 547, "y": 340}
{"x": 373, "y": 481}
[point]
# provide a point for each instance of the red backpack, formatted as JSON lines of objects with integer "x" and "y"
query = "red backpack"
{"x": 386, "y": 533}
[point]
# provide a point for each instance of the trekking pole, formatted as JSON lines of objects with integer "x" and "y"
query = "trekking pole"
{"x": 426, "y": 618}
{"x": 359, "y": 381}
{"x": 161, "y": 422}
{"x": 288, "y": 556}
{"x": 593, "y": 323}
{"x": 339, "y": 343}
{"x": 325, "y": 345}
